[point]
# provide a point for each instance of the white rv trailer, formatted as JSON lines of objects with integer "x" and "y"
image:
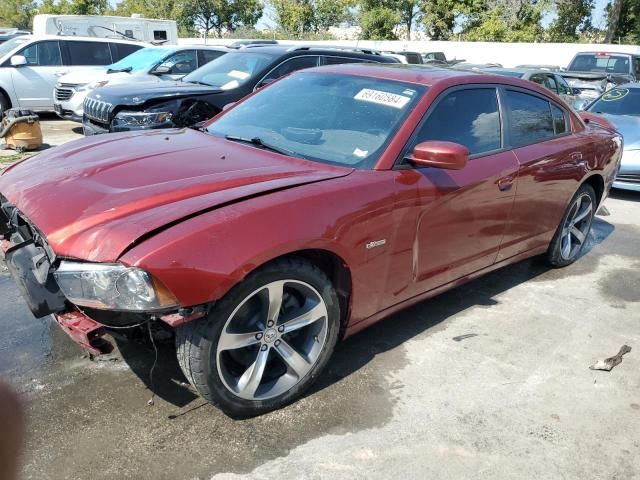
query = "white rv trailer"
{"x": 150, "y": 30}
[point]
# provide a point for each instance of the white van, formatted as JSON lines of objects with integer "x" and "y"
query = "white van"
{"x": 164, "y": 32}
{"x": 31, "y": 65}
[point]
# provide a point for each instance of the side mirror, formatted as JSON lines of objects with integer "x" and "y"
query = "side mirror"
{"x": 161, "y": 70}
{"x": 18, "y": 61}
{"x": 228, "y": 106}
{"x": 440, "y": 154}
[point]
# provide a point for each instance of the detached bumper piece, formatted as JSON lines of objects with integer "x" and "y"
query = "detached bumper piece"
{"x": 85, "y": 332}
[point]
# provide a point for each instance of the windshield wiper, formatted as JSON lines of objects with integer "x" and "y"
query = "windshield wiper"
{"x": 257, "y": 141}
{"x": 119, "y": 70}
{"x": 198, "y": 82}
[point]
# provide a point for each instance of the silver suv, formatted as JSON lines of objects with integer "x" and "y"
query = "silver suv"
{"x": 30, "y": 66}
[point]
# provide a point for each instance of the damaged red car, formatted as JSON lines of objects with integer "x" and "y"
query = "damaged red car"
{"x": 301, "y": 215}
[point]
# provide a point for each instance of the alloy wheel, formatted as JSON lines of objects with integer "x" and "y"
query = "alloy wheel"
{"x": 272, "y": 340}
{"x": 576, "y": 227}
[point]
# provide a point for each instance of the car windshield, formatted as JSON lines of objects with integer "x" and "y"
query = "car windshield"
{"x": 600, "y": 63}
{"x": 331, "y": 118}
{"x": 230, "y": 70}
{"x": 141, "y": 59}
{"x": 618, "y": 101}
{"x": 10, "y": 45}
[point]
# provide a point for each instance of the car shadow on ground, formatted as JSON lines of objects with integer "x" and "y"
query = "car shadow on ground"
{"x": 352, "y": 354}
{"x": 627, "y": 195}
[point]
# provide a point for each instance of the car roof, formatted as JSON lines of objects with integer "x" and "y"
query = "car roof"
{"x": 279, "y": 50}
{"x": 606, "y": 52}
{"x": 73, "y": 38}
{"x": 426, "y": 75}
{"x": 186, "y": 46}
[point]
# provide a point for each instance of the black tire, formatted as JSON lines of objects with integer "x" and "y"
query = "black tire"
{"x": 554, "y": 254}
{"x": 4, "y": 104}
{"x": 197, "y": 341}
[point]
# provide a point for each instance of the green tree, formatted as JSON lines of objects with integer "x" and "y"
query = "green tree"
{"x": 219, "y": 15}
{"x": 573, "y": 18}
{"x": 439, "y": 17}
{"x": 17, "y": 13}
{"x": 74, "y": 7}
{"x": 379, "y": 23}
{"x": 297, "y": 17}
{"x": 410, "y": 14}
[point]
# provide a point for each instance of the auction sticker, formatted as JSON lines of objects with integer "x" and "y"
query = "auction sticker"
{"x": 615, "y": 94}
{"x": 382, "y": 98}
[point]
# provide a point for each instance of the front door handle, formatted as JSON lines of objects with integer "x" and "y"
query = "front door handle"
{"x": 576, "y": 157}
{"x": 505, "y": 183}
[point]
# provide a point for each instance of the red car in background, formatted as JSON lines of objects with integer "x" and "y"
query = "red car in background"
{"x": 303, "y": 214}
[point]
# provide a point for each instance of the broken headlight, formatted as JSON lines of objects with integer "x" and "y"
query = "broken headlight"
{"x": 142, "y": 119}
{"x": 112, "y": 287}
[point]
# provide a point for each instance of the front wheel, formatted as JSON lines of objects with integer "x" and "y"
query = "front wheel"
{"x": 574, "y": 228}
{"x": 265, "y": 342}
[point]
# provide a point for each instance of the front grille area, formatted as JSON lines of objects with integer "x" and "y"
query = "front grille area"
{"x": 64, "y": 92}
{"x": 628, "y": 177}
{"x": 97, "y": 109}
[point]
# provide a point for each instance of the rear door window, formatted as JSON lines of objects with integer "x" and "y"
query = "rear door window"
{"x": 530, "y": 118}
{"x": 330, "y": 60}
{"x": 468, "y": 117}
{"x": 121, "y": 50}
{"x": 205, "y": 56}
{"x": 88, "y": 53}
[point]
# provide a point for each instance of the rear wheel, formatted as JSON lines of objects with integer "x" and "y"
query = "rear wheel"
{"x": 574, "y": 228}
{"x": 265, "y": 342}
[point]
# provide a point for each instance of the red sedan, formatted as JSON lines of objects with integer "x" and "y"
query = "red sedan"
{"x": 301, "y": 215}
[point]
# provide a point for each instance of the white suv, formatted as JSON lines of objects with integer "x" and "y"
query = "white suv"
{"x": 148, "y": 64}
{"x": 31, "y": 65}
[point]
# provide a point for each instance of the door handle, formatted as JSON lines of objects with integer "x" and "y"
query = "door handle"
{"x": 505, "y": 183}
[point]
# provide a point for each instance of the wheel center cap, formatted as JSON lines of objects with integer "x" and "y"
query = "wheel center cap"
{"x": 270, "y": 334}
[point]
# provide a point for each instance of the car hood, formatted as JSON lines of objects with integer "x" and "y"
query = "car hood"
{"x": 100, "y": 74}
{"x": 628, "y": 126}
{"x": 140, "y": 92}
{"x": 84, "y": 76}
{"x": 95, "y": 197}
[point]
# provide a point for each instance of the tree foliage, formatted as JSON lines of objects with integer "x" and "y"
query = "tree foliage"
{"x": 17, "y": 13}
{"x": 573, "y": 18}
{"x": 297, "y": 17}
{"x": 219, "y": 15}
{"x": 74, "y": 7}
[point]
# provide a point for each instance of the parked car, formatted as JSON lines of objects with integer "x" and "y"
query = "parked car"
{"x": 203, "y": 93}
{"x": 474, "y": 66}
{"x": 547, "y": 79}
{"x": 595, "y": 72}
{"x": 534, "y": 66}
{"x": 620, "y": 109}
{"x": 9, "y": 33}
{"x": 303, "y": 214}
{"x": 30, "y": 65}
{"x": 245, "y": 43}
{"x": 151, "y": 64}
{"x": 414, "y": 58}
{"x": 438, "y": 58}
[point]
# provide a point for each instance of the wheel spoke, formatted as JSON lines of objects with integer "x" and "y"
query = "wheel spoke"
{"x": 293, "y": 359}
{"x": 316, "y": 313}
{"x": 275, "y": 290}
{"x": 577, "y": 206}
{"x": 585, "y": 211}
{"x": 578, "y": 234}
{"x": 251, "y": 378}
{"x": 566, "y": 249}
{"x": 233, "y": 341}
